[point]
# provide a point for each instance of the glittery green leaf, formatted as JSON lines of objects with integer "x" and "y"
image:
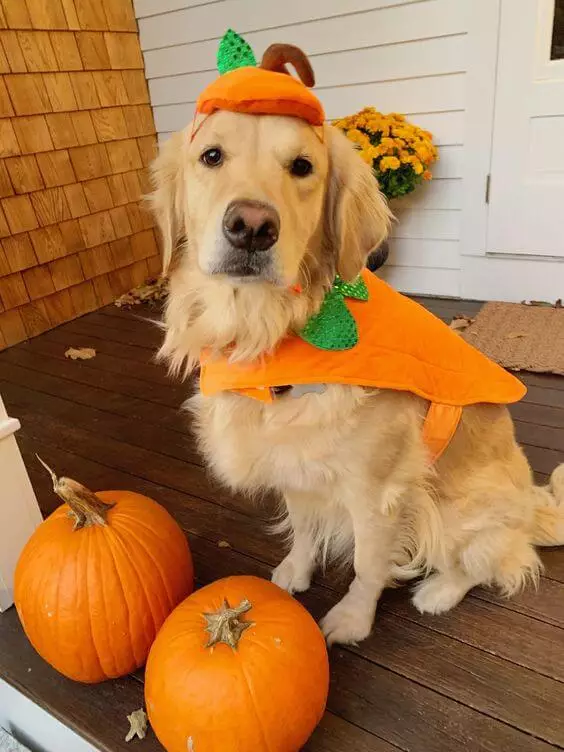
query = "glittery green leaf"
{"x": 234, "y": 52}
{"x": 334, "y": 327}
{"x": 356, "y": 289}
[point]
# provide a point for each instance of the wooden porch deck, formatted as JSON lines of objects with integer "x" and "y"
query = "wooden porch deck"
{"x": 488, "y": 676}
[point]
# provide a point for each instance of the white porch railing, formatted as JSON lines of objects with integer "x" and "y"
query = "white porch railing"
{"x": 19, "y": 511}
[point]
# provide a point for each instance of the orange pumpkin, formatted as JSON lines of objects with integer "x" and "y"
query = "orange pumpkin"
{"x": 240, "y": 665}
{"x": 98, "y": 578}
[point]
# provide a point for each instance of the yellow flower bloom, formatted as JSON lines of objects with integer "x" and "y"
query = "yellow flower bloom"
{"x": 423, "y": 153}
{"x": 358, "y": 137}
{"x": 388, "y": 143}
{"x": 389, "y": 163}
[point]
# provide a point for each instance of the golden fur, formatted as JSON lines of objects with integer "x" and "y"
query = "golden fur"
{"x": 349, "y": 463}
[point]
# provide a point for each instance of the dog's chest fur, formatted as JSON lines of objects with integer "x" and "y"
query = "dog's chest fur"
{"x": 290, "y": 444}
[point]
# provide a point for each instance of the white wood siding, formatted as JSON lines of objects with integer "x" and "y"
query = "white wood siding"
{"x": 408, "y": 56}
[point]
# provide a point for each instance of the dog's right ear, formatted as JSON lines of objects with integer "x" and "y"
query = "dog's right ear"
{"x": 167, "y": 199}
{"x": 357, "y": 217}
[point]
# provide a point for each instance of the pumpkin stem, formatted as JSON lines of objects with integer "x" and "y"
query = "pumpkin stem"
{"x": 85, "y": 507}
{"x": 225, "y": 626}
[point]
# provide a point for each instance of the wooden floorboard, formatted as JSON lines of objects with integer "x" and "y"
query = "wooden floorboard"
{"x": 487, "y": 676}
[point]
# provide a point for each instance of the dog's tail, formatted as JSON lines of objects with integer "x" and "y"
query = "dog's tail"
{"x": 549, "y": 514}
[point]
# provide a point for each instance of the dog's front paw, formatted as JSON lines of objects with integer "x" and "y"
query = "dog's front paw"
{"x": 349, "y": 622}
{"x": 291, "y": 578}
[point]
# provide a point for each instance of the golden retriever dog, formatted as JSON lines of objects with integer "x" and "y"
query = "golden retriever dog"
{"x": 349, "y": 463}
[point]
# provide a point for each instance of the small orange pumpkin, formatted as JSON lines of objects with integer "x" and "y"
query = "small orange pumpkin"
{"x": 97, "y": 579}
{"x": 239, "y": 665}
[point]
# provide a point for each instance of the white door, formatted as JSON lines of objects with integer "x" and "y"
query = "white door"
{"x": 526, "y": 196}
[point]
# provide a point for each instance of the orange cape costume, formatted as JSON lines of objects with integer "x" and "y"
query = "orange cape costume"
{"x": 400, "y": 346}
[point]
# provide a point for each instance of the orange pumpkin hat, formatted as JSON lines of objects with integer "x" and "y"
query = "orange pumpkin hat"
{"x": 265, "y": 90}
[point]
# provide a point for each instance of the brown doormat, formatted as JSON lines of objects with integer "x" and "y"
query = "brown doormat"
{"x": 521, "y": 337}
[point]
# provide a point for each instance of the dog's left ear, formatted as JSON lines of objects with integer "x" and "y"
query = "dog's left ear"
{"x": 357, "y": 218}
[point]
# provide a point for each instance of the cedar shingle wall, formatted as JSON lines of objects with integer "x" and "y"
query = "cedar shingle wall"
{"x": 76, "y": 135}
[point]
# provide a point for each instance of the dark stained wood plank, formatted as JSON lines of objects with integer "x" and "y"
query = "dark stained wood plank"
{"x": 527, "y": 642}
{"x": 545, "y": 437}
{"x": 128, "y": 321}
{"x": 498, "y": 688}
{"x": 444, "y": 307}
{"x": 542, "y": 395}
{"x": 131, "y": 353}
{"x": 150, "y": 372}
{"x": 542, "y": 415}
{"x": 553, "y": 559}
{"x": 543, "y": 460}
{"x": 334, "y": 734}
{"x": 550, "y": 380}
{"x": 76, "y": 370}
{"x": 545, "y": 603}
{"x": 414, "y": 717}
{"x": 98, "y": 713}
{"x": 151, "y": 311}
{"x": 26, "y": 403}
{"x": 149, "y": 337}
{"x": 120, "y": 404}
{"x": 145, "y": 331}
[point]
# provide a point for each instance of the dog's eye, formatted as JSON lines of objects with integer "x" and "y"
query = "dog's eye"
{"x": 301, "y": 167}
{"x": 212, "y": 157}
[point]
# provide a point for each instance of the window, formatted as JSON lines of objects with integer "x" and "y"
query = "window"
{"x": 557, "y": 48}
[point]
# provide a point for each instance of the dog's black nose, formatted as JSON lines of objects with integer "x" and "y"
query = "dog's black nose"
{"x": 251, "y": 225}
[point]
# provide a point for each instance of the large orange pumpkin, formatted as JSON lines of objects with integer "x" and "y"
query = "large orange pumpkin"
{"x": 98, "y": 578}
{"x": 240, "y": 666}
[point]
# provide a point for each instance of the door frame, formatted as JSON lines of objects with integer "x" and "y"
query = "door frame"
{"x": 483, "y": 45}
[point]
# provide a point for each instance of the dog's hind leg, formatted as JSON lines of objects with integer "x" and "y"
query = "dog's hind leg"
{"x": 549, "y": 514}
{"x": 442, "y": 591}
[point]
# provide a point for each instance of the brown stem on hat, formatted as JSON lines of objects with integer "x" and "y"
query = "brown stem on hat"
{"x": 277, "y": 55}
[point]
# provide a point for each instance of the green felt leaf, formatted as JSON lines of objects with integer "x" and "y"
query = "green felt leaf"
{"x": 234, "y": 52}
{"x": 334, "y": 327}
{"x": 356, "y": 289}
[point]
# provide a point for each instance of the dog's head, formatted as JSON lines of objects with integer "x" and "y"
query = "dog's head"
{"x": 268, "y": 198}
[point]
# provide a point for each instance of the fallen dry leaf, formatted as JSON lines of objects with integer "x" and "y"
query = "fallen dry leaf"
{"x": 516, "y": 335}
{"x": 152, "y": 291}
{"x": 80, "y": 353}
{"x": 459, "y": 323}
{"x": 223, "y": 544}
{"x": 542, "y": 303}
{"x": 137, "y": 725}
